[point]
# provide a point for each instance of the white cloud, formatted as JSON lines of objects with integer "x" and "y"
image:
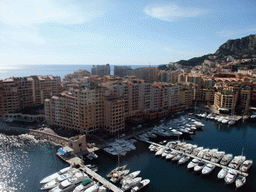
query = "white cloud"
{"x": 232, "y": 33}
{"x": 49, "y": 11}
{"x": 172, "y": 12}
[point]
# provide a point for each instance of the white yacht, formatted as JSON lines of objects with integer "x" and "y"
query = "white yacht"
{"x": 131, "y": 183}
{"x": 246, "y": 165}
{"x": 118, "y": 175}
{"x": 208, "y": 169}
{"x": 216, "y": 157}
{"x": 240, "y": 181}
{"x": 85, "y": 184}
{"x": 166, "y": 152}
{"x": 192, "y": 163}
{"x": 202, "y": 152}
{"x": 197, "y": 150}
{"x": 222, "y": 173}
{"x": 129, "y": 177}
{"x": 160, "y": 151}
{"x": 55, "y": 175}
{"x": 102, "y": 189}
{"x": 111, "y": 151}
{"x": 226, "y": 159}
{"x": 116, "y": 169}
{"x": 232, "y": 122}
{"x": 237, "y": 161}
{"x": 70, "y": 183}
{"x": 183, "y": 159}
{"x": 141, "y": 185}
{"x": 199, "y": 166}
{"x": 178, "y": 157}
{"x": 225, "y": 120}
{"x": 231, "y": 176}
{"x": 172, "y": 155}
{"x": 53, "y": 183}
{"x": 93, "y": 188}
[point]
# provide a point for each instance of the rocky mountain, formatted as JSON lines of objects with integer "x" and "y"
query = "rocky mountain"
{"x": 238, "y": 49}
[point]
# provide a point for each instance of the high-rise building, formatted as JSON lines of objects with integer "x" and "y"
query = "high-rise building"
{"x": 100, "y": 70}
{"x": 121, "y": 71}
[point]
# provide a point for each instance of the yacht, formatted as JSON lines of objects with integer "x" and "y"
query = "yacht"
{"x": 141, "y": 185}
{"x": 216, "y": 157}
{"x": 226, "y": 159}
{"x": 85, "y": 184}
{"x": 102, "y": 189}
{"x": 116, "y": 169}
{"x": 192, "y": 163}
{"x": 246, "y": 165}
{"x": 232, "y": 122}
{"x": 119, "y": 175}
{"x": 208, "y": 169}
{"x": 240, "y": 181}
{"x": 172, "y": 155}
{"x": 197, "y": 150}
{"x": 160, "y": 151}
{"x": 70, "y": 183}
{"x": 178, "y": 157}
{"x": 129, "y": 177}
{"x": 55, "y": 175}
{"x": 222, "y": 174}
{"x": 183, "y": 159}
{"x": 202, "y": 152}
{"x": 93, "y": 188}
{"x": 53, "y": 183}
{"x": 237, "y": 161}
{"x": 111, "y": 151}
{"x": 131, "y": 183}
{"x": 231, "y": 176}
{"x": 199, "y": 166}
{"x": 166, "y": 152}
{"x": 176, "y": 132}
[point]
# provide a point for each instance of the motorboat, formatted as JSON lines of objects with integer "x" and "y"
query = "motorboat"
{"x": 53, "y": 183}
{"x": 231, "y": 176}
{"x": 102, "y": 189}
{"x": 208, "y": 169}
{"x": 130, "y": 176}
{"x": 117, "y": 176}
{"x": 183, "y": 159}
{"x": 236, "y": 162}
{"x": 178, "y": 157}
{"x": 197, "y": 150}
{"x": 111, "y": 151}
{"x": 85, "y": 184}
{"x": 199, "y": 166}
{"x": 202, "y": 152}
{"x": 141, "y": 185}
{"x": 208, "y": 155}
{"x": 55, "y": 175}
{"x": 166, "y": 152}
{"x": 116, "y": 169}
{"x": 70, "y": 183}
{"x": 240, "y": 181}
{"x": 93, "y": 188}
{"x": 192, "y": 163}
{"x": 216, "y": 157}
{"x": 160, "y": 151}
{"x": 131, "y": 183}
{"x": 226, "y": 159}
{"x": 172, "y": 155}
{"x": 176, "y": 132}
{"x": 222, "y": 173}
{"x": 225, "y": 120}
{"x": 246, "y": 165}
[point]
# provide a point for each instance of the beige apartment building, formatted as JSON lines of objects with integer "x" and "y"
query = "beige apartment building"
{"x": 100, "y": 70}
{"x": 225, "y": 100}
{"x": 18, "y": 93}
{"x": 145, "y": 73}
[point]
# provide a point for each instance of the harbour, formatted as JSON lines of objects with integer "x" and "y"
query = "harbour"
{"x": 167, "y": 175}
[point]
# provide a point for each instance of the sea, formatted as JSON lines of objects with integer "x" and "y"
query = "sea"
{"x": 24, "y": 160}
{"x": 55, "y": 70}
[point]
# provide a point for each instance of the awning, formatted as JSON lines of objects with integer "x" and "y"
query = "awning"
{"x": 61, "y": 151}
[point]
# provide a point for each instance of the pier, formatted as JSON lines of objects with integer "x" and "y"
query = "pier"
{"x": 77, "y": 161}
{"x": 195, "y": 157}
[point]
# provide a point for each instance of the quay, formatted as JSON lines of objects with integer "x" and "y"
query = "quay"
{"x": 195, "y": 157}
{"x": 77, "y": 161}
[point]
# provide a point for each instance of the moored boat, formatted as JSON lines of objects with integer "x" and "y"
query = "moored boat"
{"x": 141, "y": 185}
{"x": 246, "y": 165}
{"x": 240, "y": 181}
{"x": 192, "y": 163}
{"x": 222, "y": 173}
{"x": 226, "y": 159}
{"x": 231, "y": 176}
{"x": 55, "y": 175}
{"x": 208, "y": 169}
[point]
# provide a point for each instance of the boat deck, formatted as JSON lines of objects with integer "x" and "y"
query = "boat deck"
{"x": 195, "y": 157}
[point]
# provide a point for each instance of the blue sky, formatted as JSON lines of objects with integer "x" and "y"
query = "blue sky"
{"x": 118, "y": 32}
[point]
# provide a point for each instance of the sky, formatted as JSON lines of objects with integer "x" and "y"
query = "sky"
{"x": 118, "y": 32}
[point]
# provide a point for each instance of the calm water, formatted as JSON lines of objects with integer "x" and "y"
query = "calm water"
{"x": 22, "y": 167}
{"x": 56, "y": 70}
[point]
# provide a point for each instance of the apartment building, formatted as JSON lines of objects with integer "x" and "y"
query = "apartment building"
{"x": 145, "y": 73}
{"x": 169, "y": 76}
{"x": 225, "y": 100}
{"x": 186, "y": 96}
{"x": 100, "y": 70}
{"x": 18, "y": 93}
{"x": 121, "y": 71}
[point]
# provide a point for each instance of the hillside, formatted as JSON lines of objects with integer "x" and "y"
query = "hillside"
{"x": 238, "y": 49}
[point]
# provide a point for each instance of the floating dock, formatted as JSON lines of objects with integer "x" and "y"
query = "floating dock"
{"x": 195, "y": 157}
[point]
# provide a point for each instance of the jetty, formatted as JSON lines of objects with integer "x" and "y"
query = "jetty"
{"x": 195, "y": 157}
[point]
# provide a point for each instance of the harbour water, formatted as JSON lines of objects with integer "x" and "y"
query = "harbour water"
{"x": 23, "y": 166}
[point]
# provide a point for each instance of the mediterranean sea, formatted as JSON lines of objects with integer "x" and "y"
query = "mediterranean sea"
{"x": 56, "y": 70}
{"x": 25, "y": 161}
